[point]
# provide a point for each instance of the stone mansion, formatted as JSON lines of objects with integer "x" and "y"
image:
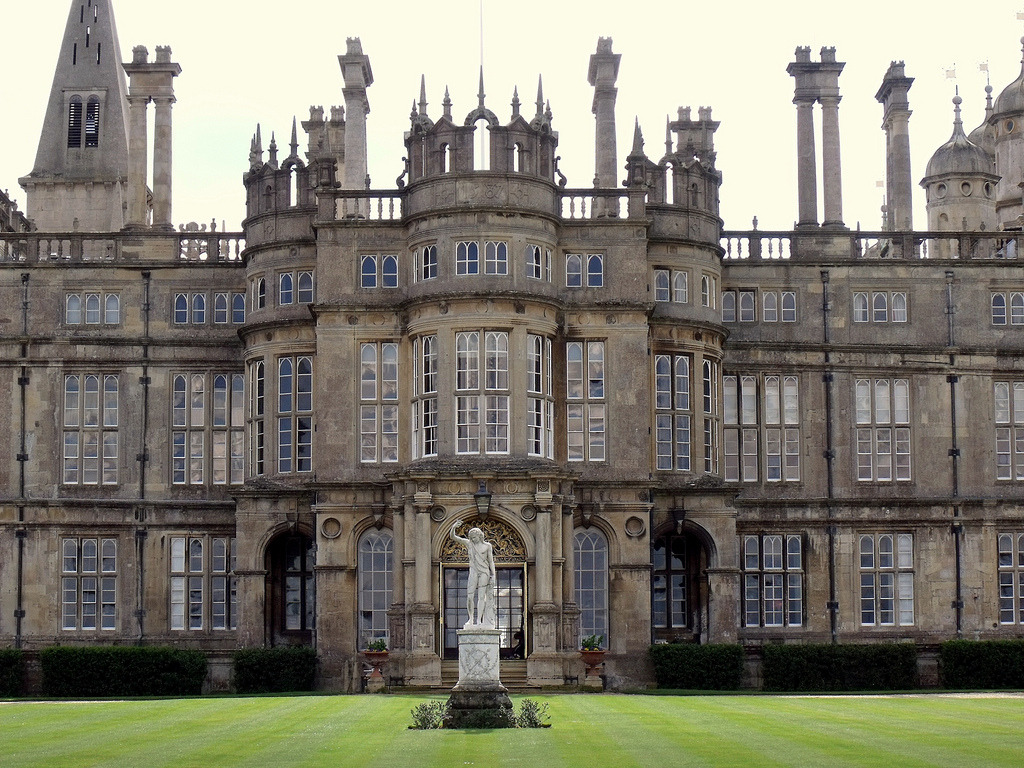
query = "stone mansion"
{"x": 668, "y": 430}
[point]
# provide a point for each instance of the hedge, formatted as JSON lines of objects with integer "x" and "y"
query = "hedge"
{"x": 698, "y": 667}
{"x": 275, "y": 670}
{"x": 12, "y": 672}
{"x": 122, "y": 671}
{"x": 984, "y": 664}
{"x": 881, "y": 667}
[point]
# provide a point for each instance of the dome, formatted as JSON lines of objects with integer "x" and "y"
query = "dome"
{"x": 959, "y": 155}
{"x": 1012, "y": 97}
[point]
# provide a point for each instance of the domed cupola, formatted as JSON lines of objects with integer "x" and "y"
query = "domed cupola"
{"x": 960, "y": 183}
{"x": 1007, "y": 122}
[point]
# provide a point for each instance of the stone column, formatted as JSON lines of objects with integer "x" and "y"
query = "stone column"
{"x": 396, "y": 614}
{"x": 806, "y": 170}
{"x": 423, "y": 569}
{"x": 832, "y": 180}
{"x": 604, "y": 70}
{"x": 355, "y": 69}
{"x": 138, "y": 151}
{"x": 162, "y": 163}
{"x": 423, "y": 665}
{"x": 543, "y": 528}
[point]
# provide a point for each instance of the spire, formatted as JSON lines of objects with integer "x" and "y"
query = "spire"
{"x": 515, "y": 103}
{"x": 294, "y": 143}
{"x": 638, "y": 139}
{"x": 447, "y": 104}
{"x": 540, "y": 96}
{"x": 423, "y": 95}
{"x": 668, "y": 135}
{"x": 480, "y": 94}
{"x": 84, "y": 139}
{"x": 273, "y": 151}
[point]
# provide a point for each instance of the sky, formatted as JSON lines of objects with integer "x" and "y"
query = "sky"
{"x": 264, "y": 62}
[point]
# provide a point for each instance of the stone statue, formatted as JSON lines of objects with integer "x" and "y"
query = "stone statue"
{"x": 480, "y": 590}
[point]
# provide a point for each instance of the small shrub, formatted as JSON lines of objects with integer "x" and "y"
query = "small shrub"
{"x": 12, "y": 671}
{"x": 825, "y": 667}
{"x": 715, "y": 667}
{"x": 429, "y": 715}
{"x": 121, "y": 671}
{"x": 532, "y": 715}
{"x": 275, "y": 670}
{"x": 984, "y": 664}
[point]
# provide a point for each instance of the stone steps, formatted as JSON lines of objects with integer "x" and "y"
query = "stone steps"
{"x": 513, "y": 674}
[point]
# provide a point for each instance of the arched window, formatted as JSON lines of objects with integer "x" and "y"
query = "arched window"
{"x": 92, "y": 308}
{"x": 238, "y": 308}
{"x": 292, "y": 598}
{"x": 261, "y": 293}
{"x": 595, "y": 270}
{"x": 998, "y": 309}
{"x": 728, "y": 306}
{"x": 369, "y": 272}
{"x": 1016, "y": 308}
{"x": 375, "y": 574}
{"x": 220, "y": 308}
{"x": 591, "y": 581}
{"x": 573, "y": 270}
{"x": 389, "y": 272}
{"x": 198, "y": 308}
{"x": 770, "y": 306}
{"x": 181, "y": 309}
{"x": 446, "y": 159}
{"x": 112, "y": 309}
{"x": 517, "y": 158}
{"x": 661, "y": 285}
{"x": 899, "y": 308}
{"x": 860, "y": 307}
{"x": 92, "y": 122}
{"x": 482, "y": 157}
{"x": 879, "y": 308}
{"x": 670, "y": 601}
{"x": 305, "y": 281}
{"x": 75, "y": 122}
{"x": 285, "y": 295}
{"x": 670, "y": 185}
{"x": 73, "y": 309}
{"x": 680, "y": 287}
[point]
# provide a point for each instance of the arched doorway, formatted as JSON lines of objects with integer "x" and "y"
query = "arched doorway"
{"x": 679, "y": 587}
{"x": 290, "y": 600}
{"x": 510, "y": 569}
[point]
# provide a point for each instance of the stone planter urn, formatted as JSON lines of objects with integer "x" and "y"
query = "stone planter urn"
{"x": 593, "y": 659}
{"x": 377, "y": 659}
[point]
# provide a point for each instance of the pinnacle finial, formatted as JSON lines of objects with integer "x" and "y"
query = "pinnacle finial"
{"x": 294, "y": 144}
{"x": 447, "y": 104}
{"x": 259, "y": 140}
{"x": 480, "y": 95}
{"x": 540, "y": 95}
{"x": 423, "y": 95}
{"x": 668, "y": 135}
{"x": 515, "y": 102}
{"x": 638, "y": 136}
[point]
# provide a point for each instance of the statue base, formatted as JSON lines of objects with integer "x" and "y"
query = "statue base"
{"x": 479, "y": 700}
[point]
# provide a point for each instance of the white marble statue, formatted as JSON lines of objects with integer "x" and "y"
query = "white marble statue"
{"x": 480, "y": 591}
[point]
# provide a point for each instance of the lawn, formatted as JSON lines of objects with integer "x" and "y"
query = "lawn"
{"x": 587, "y": 730}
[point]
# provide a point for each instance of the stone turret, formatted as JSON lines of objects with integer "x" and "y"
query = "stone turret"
{"x": 79, "y": 179}
{"x": 960, "y": 184}
{"x": 1007, "y": 120}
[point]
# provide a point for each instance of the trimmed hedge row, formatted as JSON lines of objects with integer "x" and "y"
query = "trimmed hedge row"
{"x": 876, "y": 667}
{"x": 985, "y": 664}
{"x": 698, "y": 667}
{"x": 12, "y": 672}
{"x": 275, "y": 670}
{"x": 122, "y": 671}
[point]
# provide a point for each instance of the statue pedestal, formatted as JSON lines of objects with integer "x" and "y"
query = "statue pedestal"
{"x": 479, "y": 700}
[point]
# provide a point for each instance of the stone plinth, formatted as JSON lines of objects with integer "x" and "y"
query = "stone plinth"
{"x": 479, "y": 700}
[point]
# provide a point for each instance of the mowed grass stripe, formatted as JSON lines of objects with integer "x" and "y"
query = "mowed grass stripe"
{"x": 589, "y": 730}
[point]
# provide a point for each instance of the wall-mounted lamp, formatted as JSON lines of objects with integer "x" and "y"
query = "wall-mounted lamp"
{"x": 482, "y": 499}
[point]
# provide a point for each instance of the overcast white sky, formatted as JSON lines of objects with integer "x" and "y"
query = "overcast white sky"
{"x": 262, "y": 61}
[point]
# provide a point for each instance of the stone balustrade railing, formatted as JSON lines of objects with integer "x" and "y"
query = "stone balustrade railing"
{"x": 809, "y": 245}
{"x": 122, "y": 247}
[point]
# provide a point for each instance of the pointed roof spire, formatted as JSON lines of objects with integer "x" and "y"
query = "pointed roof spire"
{"x": 273, "y": 151}
{"x": 89, "y": 63}
{"x": 423, "y": 95}
{"x": 540, "y": 96}
{"x": 480, "y": 94}
{"x": 294, "y": 143}
{"x": 515, "y": 102}
{"x": 638, "y": 138}
{"x": 447, "y": 104}
{"x": 259, "y": 143}
{"x": 668, "y": 135}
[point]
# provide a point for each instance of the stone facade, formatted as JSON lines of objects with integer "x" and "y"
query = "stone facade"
{"x": 669, "y": 431}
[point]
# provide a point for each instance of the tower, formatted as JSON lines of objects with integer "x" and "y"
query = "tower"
{"x": 79, "y": 180}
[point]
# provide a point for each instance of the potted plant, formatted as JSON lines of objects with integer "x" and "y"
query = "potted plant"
{"x": 376, "y": 653}
{"x": 592, "y": 652}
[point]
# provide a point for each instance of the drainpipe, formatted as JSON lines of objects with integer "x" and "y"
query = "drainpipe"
{"x": 829, "y": 454}
{"x": 21, "y": 533}
{"x": 957, "y": 528}
{"x": 143, "y": 459}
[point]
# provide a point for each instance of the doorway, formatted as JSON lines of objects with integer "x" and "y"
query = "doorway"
{"x": 510, "y": 605}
